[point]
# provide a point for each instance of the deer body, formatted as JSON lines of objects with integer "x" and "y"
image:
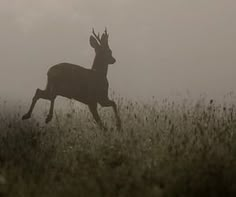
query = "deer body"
{"x": 76, "y": 82}
{"x": 89, "y": 86}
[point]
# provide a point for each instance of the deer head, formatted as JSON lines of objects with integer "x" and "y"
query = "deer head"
{"x": 102, "y": 49}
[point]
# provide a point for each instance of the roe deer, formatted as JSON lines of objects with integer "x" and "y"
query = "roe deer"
{"x": 89, "y": 86}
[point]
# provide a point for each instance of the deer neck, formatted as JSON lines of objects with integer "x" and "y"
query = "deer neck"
{"x": 100, "y": 66}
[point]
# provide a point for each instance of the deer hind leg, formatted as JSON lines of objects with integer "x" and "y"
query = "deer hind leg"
{"x": 109, "y": 103}
{"x": 41, "y": 94}
{"x": 38, "y": 94}
{"x": 93, "y": 110}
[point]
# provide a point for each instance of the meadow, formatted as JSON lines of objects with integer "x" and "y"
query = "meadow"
{"x": 165, "y": 148}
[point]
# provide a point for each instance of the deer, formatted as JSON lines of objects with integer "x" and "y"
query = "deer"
{"x": 88, "y": 86}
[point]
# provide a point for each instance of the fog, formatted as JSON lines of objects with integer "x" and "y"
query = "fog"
{"x": 162, "y": 47}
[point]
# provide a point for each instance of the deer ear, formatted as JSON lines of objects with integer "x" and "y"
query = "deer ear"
{"x": 93, "y": 42}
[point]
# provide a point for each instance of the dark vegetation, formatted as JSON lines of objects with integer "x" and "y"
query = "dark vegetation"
{"x": 165, "y": 149}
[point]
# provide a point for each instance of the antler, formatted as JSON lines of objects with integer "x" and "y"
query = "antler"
{"x": 104, "y": 39}
{"x": 106, "y": 32}
{"x": 97, "y": 36}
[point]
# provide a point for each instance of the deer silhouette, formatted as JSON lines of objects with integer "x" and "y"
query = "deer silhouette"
{"x": 89, "y": 86}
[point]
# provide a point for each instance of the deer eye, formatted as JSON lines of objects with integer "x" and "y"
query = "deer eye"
{"x": 109, "y": 52}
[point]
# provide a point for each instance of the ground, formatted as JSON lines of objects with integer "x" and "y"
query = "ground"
{"x": 166, "y": 148}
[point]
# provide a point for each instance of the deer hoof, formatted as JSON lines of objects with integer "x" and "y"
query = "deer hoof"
{"x": 103, "y": 128}
{"x": 118, "y": 125}
{"x": 119, "y": 128}
{"x": 48, "y": 119}
{"x": 26, "y": 116}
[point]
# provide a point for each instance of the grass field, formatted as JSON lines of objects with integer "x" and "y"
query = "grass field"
{"x": 165, "y": 149}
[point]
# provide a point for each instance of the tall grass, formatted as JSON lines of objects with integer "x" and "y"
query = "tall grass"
{"x": 164, "y": 149}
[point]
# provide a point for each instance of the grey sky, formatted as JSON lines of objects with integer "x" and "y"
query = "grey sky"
{"x": 161, "y": 46}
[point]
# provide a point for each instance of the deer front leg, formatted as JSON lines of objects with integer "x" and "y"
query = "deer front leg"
{"x": 93, "y": 110}
{"x": 108, "y": 103}
{"x": 50, "y": 115}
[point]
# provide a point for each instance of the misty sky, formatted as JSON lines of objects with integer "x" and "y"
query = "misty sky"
{"x": 162, "y": 46}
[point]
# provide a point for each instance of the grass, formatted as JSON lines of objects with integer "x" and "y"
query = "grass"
{"x": 165, "y": 149}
